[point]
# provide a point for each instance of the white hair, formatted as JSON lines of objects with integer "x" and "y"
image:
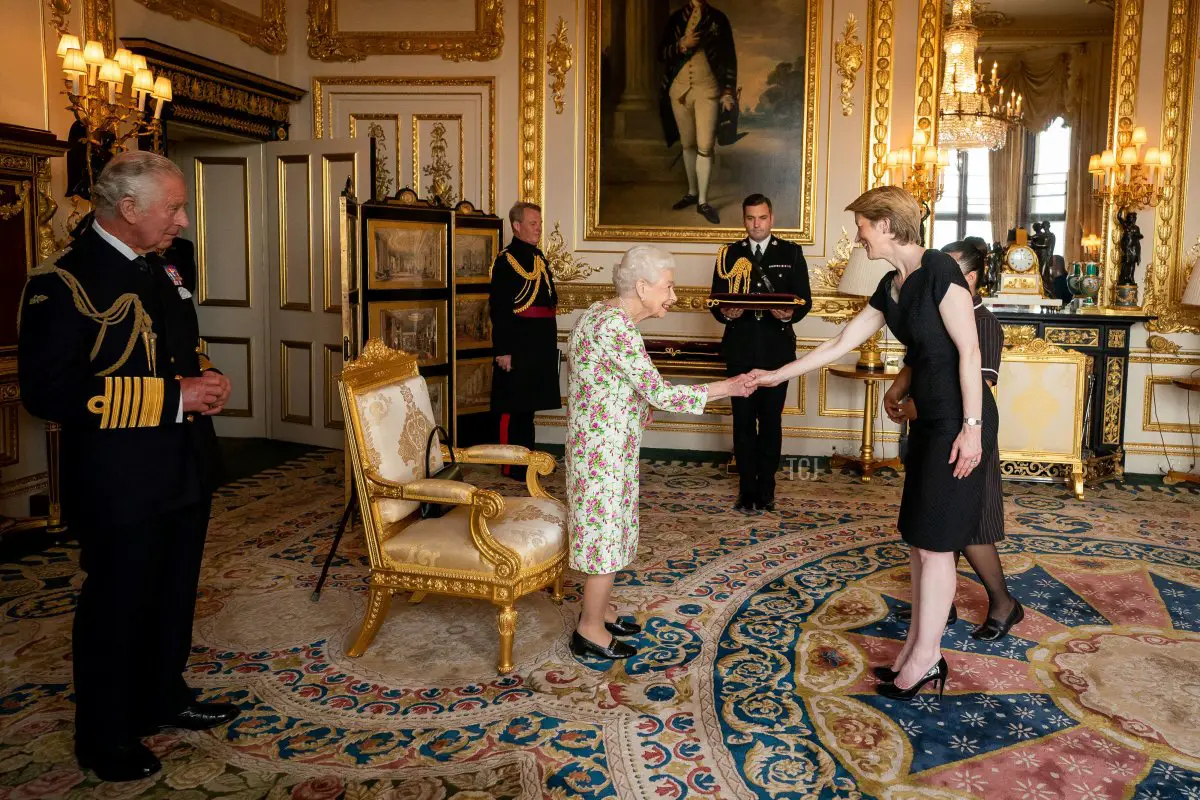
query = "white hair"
{"x": 131, "y": 174}
{"x": 640, "y": 263}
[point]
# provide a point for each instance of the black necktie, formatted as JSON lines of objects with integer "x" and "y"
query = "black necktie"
{"x": 142, "y": 264}
{"x": 757, "y": 253}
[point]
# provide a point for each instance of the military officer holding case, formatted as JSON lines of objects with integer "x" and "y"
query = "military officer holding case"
{"x": 759, "y": 264}
{"x": 109, "y": 348}
{"x": 522, "y": 305}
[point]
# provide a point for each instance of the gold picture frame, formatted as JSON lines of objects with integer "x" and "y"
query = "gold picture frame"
{"x": 771, "y": 123}
{"x": 439, "y": 398}
{"x": 483, "y": 43}
{"x": 475, "y": 250}
{"x": 472, "y": 322}
{"x": 416, "y": 254}
{"x": 412, "y": 326}
{"x": 472, "y": 385}
{"x": 266, "y": 30}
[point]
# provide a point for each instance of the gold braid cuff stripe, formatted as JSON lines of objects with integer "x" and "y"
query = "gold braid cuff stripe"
{"x": 129, "y": 403}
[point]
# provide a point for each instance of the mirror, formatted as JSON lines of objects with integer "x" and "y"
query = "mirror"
{"x": 1057, "y": 56}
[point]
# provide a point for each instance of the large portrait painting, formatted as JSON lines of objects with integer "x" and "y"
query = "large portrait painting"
{"x": 692, "y": 106}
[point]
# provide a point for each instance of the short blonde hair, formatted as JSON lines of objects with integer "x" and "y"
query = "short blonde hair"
{"x": 898, "y": 207}
{"x": 641, "y": 262}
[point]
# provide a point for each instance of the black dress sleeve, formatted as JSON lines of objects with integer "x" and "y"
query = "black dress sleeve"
{"x": 502, "y": 291}
{"x": 879, "y": 300}
{"x": 991, "y": 345}
{"x": 943, "y": 273}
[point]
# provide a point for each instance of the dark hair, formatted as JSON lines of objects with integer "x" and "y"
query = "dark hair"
{"x": 756, "y": 199}
{"x": 973, "y": 253}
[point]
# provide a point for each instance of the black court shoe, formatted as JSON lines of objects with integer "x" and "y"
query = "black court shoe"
{"x": 885, "y": 674}
{"x": 586, "y": 648}
{"x": 938, "y": 673}
{"x": 991, "y": 630}
{"x": 623, "y": 627}
{"x": 905, "y": 615}
{"x": 745, "y": 502}
{"x": 195, "y": 717}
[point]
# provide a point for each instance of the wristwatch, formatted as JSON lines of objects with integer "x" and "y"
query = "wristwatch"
{"x": 973, "y": 422}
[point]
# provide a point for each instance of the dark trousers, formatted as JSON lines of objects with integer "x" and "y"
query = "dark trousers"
{"x": 516, "y": 427}
{"x": 133, "y": 621}
{"x": 758, "y": 437}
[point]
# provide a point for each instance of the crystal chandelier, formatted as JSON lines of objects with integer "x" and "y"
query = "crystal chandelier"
{"x": 974, "y": 110}
{"x": 109, "y": 96}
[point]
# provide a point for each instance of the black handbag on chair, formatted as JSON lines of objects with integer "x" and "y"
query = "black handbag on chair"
{"x": 449, "y": 472}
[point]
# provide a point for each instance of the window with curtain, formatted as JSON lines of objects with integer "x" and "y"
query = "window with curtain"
{"x": 1047, "y": 160}
{"x": 966, "y": 205}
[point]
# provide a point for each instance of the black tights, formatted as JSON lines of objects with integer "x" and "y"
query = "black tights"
{"x": 985, "y": 560}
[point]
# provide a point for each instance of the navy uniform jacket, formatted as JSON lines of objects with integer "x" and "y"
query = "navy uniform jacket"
{"x": 102, "y": 345}
{"x": 514, "y": 298}
{"x": 759, "y": 340}
{"x": 716, "y": 40}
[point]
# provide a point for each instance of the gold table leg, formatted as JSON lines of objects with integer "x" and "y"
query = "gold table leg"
{"x": 866, "y": 463}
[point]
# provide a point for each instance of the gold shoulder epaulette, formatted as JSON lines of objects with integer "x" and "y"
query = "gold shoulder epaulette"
{"x": 122, "y": 307}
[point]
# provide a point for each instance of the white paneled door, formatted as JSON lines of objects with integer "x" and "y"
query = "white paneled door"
{"x": 302, "y": 183}
{"x": 225, "y": 188}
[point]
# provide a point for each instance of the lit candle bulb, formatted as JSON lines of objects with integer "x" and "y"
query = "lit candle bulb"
{"x": 75, "y": 68}
{"x": 143, "y": 84}
{"x": 1151, "y": 162}
{"x": 162, "y": 95}
{"x": 67, "y": 42}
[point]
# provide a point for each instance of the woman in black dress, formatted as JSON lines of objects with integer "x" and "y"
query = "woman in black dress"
{"x": 1003, "y": 609}
{"x": 927, "y": 304}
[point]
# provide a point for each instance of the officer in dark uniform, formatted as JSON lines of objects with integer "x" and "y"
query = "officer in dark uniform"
{"x": 759, "y": 264}
{"x": 109, "y": 349}
{"x": 523, "y": 305}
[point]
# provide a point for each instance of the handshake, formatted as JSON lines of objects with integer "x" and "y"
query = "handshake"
{"x": 744, "y": 385}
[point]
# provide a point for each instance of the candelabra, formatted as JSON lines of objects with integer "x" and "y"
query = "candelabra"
{"x": 1091, "y": 245}
{"x": 108, "y": 95}
{"x": 919, "y": 169}
{"x": 1126, "y": 177}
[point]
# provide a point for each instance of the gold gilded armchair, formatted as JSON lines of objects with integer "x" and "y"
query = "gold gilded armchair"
{"x": 488, "y": 546}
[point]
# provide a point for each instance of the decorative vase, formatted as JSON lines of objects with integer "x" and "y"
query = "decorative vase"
{"x": 1089, "y": 284}
{"x": 1126, "y": 296}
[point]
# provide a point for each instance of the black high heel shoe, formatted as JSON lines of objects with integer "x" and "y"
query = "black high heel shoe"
{"x": 991, "y": 630}
{"x": 885, "y": 674}
{"x": 939, "y": 672}
{"x": 905, "y": 615}
{"x": 586, "y": 648}
{"x": 623, "y": 627}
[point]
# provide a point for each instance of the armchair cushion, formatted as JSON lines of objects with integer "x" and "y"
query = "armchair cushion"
{"x": 534, "y": 527}
{"x": 396, "y": 420}
{"x": 513, "y": 453}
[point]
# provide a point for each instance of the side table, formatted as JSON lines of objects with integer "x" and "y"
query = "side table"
{"x": 866, "y": 462}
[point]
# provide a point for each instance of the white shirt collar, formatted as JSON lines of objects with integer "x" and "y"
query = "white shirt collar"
{"x": 120, "y": 246}
{"x": 764, "y": 243}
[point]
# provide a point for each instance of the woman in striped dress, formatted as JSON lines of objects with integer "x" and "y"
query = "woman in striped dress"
{"x": 1003, "y": 609}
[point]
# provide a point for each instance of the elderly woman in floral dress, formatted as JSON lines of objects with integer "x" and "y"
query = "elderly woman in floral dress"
{"x": 612, "y": 387}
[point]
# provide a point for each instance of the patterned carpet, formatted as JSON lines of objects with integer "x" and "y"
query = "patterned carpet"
{"x": 753, "y": 677}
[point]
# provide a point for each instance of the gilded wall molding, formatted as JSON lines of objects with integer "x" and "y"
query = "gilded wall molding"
{"x": 266, "y": 30}
{"x": 531, "y": 100}
{"x": 322, "y": 86}
{"x": 100, "y": 23}
{"x": 848, "y": 54}
{"x": 559, "y": 58}
{"x": 877, "y": 91}
{"x": 60, "y": 10}
{"x": 484, "y": 43}
{"x": 563, "y": 264}
{"x": 929, "y": 51}
{"x": 1127, "y": 44}
{"x": 1168, "y": 271}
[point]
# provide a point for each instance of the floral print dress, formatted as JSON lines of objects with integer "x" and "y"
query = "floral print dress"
{"x": 612, "y": 386}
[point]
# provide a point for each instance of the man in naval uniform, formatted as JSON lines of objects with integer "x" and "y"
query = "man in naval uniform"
{"x": 109, "y": 348}
{"x": 522, "y": 306}
{"x": 698, "y": 94}
{"x": 759, "y": 264}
